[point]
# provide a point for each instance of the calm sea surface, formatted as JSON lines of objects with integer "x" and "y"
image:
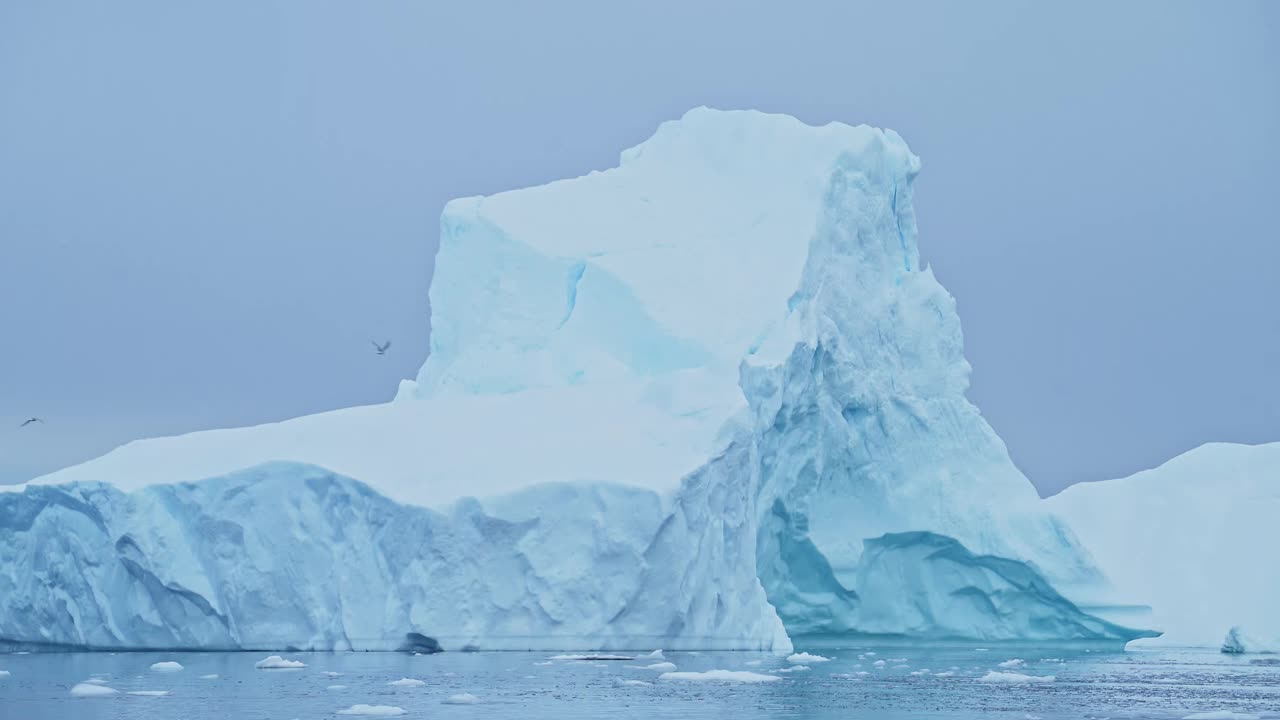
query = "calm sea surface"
{"x": 908, "y": 684}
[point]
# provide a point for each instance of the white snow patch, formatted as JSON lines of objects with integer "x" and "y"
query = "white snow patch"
{"x": 736, "y": 676}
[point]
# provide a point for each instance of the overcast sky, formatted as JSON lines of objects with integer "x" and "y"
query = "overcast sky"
{"x": 208, "y": 209}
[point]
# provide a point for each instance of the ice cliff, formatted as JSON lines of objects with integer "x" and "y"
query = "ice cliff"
{"x": 707, "y": 399}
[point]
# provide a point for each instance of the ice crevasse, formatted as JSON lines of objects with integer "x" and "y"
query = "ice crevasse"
{"x": 706, "y": 399}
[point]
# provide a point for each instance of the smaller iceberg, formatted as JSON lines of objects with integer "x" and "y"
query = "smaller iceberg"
{"x": 1239, "y": 641}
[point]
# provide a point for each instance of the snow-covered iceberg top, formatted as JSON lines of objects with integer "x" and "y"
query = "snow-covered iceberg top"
{"x": 594, "y": 326}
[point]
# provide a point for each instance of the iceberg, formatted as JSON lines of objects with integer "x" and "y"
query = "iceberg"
{"x": 1188, "y": 537}
{"x": 1239, "y": 641}
{"x": 707, "y": 399}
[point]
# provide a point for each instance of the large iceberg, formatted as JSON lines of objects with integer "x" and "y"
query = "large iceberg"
{"x": 1192, "y": 538}
{"x": 707, "y": 399}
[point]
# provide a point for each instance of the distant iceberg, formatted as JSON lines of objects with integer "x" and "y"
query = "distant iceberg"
{"x": 707, "y": 399}
{"x": 1192, "y": 539}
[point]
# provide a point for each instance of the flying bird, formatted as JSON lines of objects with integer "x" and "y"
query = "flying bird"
{"x": 31, "y": 420}
{"x": 381, "y": 349}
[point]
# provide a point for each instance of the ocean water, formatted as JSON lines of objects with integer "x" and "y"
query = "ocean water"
{"x": 1086, "y": 685}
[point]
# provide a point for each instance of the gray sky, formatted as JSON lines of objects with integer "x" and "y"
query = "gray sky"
{"x": 208, "y": 209}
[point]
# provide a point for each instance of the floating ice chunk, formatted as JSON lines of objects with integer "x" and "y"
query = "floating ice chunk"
{"x": 794, "y": 668}
{"x": 4, "y": 673}
{"x": 406, "y": 683}
{"x": 149, "y": 693}
{"x": 87, "y": 689}
{"x": 461, "y": 699}
{"x": 166, "y": 666}
{"x": 661, "y": 667}
{"x": 585, "y": 658}
{"x": 945, "y": 673}
{"x": 548, "y": 662}
{"x": 374, "y": 710}
{"x": 737, "y": 676}
{"x": 275, "y": 662}
{"x": 804, "y": 657}
{"x": 878, "y": 663}
{"x": 753, "y": 663}
{"x": 897, "y": 660}
{"x": 981, "y": 650}
{"x": 1221, "y": 715}
{"x": 870, "y": 654}
{"x": 96, "y": 681}
{"x": 336, "y": 687}
{"x": 656, "y": 654}
{"x": 1016, "y": 662}
{"x": 330, "y": 673}
{"x": 211, "y": 676}
{"x": 633, "y": 683}
{"x": 1004, "y": 677}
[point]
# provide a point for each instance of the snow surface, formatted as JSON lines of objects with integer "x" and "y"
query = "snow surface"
{"x": 727, "y": 343}
{"x": 1186, "y": 539}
